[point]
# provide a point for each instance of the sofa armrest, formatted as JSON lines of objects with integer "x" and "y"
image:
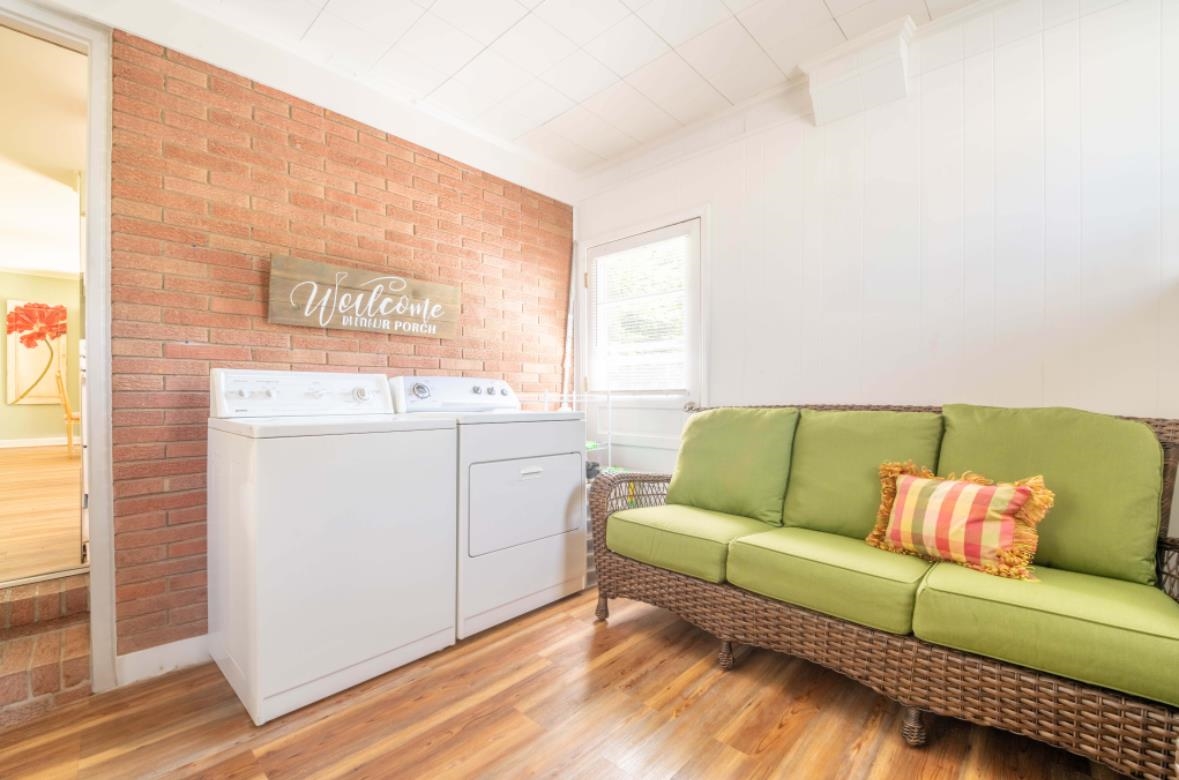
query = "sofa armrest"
{"x": 1169, "y": 567}
{"x": 610, "y": 493}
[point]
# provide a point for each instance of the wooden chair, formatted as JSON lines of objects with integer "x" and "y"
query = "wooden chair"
{"x": 72, "y": 418}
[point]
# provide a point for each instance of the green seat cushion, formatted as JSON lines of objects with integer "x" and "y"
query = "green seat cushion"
{"x": 834, "y": 470}
{"x": 735, "y": 461}
{"x": 829, "y": 573}
{"x": 686, "y": 539}
{"x": 1107, "y": 474}
{"x": 1102, "y": 631}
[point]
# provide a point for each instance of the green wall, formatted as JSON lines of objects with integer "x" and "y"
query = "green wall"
{"x": 39, "y": 422}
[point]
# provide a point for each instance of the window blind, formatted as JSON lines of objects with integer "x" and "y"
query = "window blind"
{"x": 639, "y": 306}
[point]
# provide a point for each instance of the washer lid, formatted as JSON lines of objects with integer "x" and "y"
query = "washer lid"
{"x": 490, "y": 418}
{"x": 280, "y": 427}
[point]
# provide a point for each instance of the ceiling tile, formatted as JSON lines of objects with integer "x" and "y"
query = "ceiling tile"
{"x": 384, "y": 18}
{"x": 581, "y": 20}
{"x": 635, "y": 5}
{"x": 483, "y": 20}
{"x": 534, "y": 45}
{"x": 623, "y": 107}
{"x": 529, "y": 107}
{"x": 877, "y": 12}
{"x": 283, "y": 21}
{"x": 672, "y": 85}
{"x": 681, "y": 20}
{"x": 439, "y": 44}
{"x": 546, "y": 143}
{"x": 405, "y": 75}
{"x": 590, "y": 132}
{"x": 732, "y": 61}
{"x": 492, "y": 75}
{"x": 804, "y": 44}
{"x": 839, "y": 7}
{"x": 579, "y": 76}
{"x": 627, "y": 46}
{"x": 770, "y": 21}
{"x": 344, "y": 45}
{"x": 737, "y": 6}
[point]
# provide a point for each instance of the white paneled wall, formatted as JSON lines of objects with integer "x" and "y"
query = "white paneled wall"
{"x": 1008, "y": 234}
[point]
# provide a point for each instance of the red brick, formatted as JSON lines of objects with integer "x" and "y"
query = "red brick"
{"x": 212, "y": 175}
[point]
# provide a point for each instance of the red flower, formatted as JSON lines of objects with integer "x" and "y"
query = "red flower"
{"x": 37, "y": 322}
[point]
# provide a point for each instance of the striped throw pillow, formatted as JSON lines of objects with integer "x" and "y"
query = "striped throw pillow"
{"x": 970, "y": 521}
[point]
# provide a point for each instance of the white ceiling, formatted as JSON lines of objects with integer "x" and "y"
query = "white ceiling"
{"x": 42, "y": 153}
{"x": 579, "y": 82}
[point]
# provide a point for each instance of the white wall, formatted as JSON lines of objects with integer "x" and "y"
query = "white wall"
{"x": 1008, "y": 234}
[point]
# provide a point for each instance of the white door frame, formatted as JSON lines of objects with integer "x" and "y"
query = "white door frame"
{"x": 94, "y": 41}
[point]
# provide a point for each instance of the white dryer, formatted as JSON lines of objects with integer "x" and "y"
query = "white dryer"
{"x": 521, "y": 496}
{"x": 331, "y": 534}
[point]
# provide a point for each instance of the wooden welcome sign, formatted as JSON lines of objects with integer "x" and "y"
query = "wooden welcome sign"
{"x": 320, "y": 295}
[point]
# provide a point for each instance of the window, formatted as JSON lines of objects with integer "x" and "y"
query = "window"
{"x": 643, "y": 312}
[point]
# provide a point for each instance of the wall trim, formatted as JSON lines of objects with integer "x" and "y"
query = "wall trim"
{"x": 43, "y": 274}
{"x": 161, "y": 659}
{"x": 46, "y": 441}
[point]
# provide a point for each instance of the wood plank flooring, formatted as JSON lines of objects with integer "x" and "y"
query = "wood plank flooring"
{"x": 40, "y": 511}
{"x": 552, "y": 694}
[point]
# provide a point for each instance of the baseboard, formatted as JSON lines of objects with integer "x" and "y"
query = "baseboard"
{"x": 51, "y": 441}
{"x": 154, "y": 661}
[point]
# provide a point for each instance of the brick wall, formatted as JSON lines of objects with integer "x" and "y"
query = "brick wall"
{"x": 211, "y": 175}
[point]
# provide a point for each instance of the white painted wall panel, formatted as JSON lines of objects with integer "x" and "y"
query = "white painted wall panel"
{"x": 1064, "y": 362}
{"x": 1008, "y": 234}
{"x": 1019, "y": 225}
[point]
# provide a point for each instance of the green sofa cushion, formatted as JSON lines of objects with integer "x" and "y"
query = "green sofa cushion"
{"x": 686, "y": 539}
{"x": 1102, "y": 631}
{"x": 1107, "y": 474}
{"x": 834, "y": 470}
{"x": 829, "y": 573}
{"x": 735, "y": 461}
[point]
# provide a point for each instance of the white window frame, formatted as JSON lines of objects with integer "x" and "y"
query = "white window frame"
{"x": 696, "y": 318}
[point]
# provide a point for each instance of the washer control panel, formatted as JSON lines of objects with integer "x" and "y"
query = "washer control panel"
{"x": 452, "y": 394}
{"x": 247, "y": 393}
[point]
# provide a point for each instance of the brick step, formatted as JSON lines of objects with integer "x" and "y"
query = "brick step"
{"x": 42, "y": 666}
{"x": 42, "y": 602}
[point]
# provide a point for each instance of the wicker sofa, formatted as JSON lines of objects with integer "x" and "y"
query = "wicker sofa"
{"x": 1112, "y": 723}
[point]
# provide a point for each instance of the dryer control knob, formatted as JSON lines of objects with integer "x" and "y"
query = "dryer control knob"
{"x": 360, "y": 393}
{"x": 490, "y": 390}
{"x": 421, "y": 390}
{"x": 503, "y": 391}
{"x": 477, "y": 390}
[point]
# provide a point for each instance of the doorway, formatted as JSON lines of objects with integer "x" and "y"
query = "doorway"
{"x": 43, "y": 151}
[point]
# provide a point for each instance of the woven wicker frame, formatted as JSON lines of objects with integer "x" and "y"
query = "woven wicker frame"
{"x": 1130, "y": 735}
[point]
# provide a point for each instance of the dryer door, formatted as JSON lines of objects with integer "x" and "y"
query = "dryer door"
{"x": 513, "y": 502}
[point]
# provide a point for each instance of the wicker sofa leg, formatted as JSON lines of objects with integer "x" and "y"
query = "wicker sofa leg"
{"x": 603, "y": 610}
{"x": 725, "y": 657}
{"x": 913, "y": 728}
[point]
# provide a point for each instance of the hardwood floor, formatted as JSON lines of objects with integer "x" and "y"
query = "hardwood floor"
{"x": 40, "y": 511}
{"x": 552, "y": 695}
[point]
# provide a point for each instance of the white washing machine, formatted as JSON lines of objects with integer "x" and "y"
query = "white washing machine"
{"x": 331, "y": 534}
{"x": 521, "y": 496}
